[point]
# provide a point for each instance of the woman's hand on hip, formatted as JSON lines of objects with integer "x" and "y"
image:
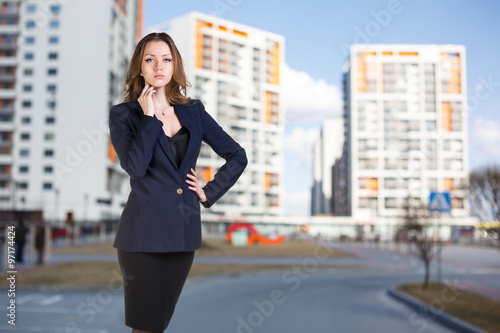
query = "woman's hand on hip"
{"x": 146, "y": 100}
{"x": 195, "y": 186}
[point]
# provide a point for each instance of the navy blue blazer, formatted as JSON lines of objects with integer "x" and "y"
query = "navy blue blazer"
{"x": 161, "y": 213}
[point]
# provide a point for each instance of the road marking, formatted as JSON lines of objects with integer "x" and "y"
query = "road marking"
{"x": 51, "y": 300}
{"x": 44, "y": 310}
{"x": 10, "y": 328}
{"x": 27, "y": 298}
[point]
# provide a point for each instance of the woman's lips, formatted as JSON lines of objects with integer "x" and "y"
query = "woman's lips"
{"x": 159, "y": 76}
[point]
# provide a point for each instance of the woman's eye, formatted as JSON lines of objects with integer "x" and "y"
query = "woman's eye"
{"x": 148, "y": 60}
{"x": 167, "y": 60}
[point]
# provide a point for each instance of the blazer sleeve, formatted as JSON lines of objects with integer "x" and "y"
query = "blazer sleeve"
{"x": 228, "y": 149}
{"x": 134, "y": 147}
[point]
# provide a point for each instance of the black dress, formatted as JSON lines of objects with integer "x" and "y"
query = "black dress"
{"x": 153, "y": 281}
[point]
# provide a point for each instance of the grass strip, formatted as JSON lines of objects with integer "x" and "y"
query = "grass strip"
{"x": 470, "y": 307}
{"x": 98, "y": 273}
{"x": 219, "y": 247}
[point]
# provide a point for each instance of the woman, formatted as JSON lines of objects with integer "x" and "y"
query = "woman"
{"x": 157, "y": 134}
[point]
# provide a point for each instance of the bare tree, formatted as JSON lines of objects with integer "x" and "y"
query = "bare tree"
{"x": 417, "y": 232}
{"x": 484, "y": 198}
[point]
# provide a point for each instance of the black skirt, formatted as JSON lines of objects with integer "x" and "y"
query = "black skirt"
{"x": 152, "y": 285}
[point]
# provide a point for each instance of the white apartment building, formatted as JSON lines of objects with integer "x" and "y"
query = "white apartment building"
{"x": 235, "y": 71}
{"x": 62, "y": 66}
{"x": 327, "y": 149}
{"x": 406, "y": 130}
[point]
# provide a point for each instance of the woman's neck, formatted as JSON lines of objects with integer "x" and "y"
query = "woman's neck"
{"x": 160, "y": 98}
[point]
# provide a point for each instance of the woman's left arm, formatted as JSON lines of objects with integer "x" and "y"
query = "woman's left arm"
{"x": 228, "y": 149}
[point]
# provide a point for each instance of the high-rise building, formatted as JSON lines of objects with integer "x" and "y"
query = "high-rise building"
{"x": 327, "y": 149}
{"x": 406, "y": 129}
{"x": 62, "y": 66}
{"x": 235, "y": 70}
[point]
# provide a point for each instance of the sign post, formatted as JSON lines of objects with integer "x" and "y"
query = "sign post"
{"x": 440, "y": 202}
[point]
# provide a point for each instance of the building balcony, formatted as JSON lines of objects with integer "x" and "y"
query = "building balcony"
{"x": 5, "y": 177}
{"x": 7, "y": 110}
{"x": 7, "y": 78}
{"x": 5, "y": 192}
{"x": 7, "y": 93}
{"x": 8, "y": 46}
{"x": 8, "y": 61}
{"x": 6, "y": 144}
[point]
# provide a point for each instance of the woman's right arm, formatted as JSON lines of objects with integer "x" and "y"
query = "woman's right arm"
{"x": 133, "y": 147}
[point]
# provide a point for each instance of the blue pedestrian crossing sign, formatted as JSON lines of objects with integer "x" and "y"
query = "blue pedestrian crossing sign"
{"x": 440, "y": 202}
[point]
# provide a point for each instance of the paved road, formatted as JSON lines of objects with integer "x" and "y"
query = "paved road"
{"x": 309, "y": 298}
{"x": 311, "y": 301}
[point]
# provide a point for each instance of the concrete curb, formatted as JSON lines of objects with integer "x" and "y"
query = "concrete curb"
{"x": 433, "y": 313}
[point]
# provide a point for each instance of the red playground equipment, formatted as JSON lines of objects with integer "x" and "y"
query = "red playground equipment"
{"x": 254, "y": 237}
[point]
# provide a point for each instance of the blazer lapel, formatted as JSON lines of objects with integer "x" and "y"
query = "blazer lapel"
{"x": 165, "y": 145}
{"x": 162, "y": 139}
{"x": 167, "y": 149}
{"x": 186, "y": 122}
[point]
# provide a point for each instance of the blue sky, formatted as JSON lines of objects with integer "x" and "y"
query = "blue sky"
{"x": 314, "y": 32}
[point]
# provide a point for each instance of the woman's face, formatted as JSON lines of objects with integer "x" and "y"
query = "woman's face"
{"x": 157, "y": 66}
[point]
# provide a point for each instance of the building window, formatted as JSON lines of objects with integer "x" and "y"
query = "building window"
{"x": 53, "y": 40}
{"x": 390, "y": 203}
{"x": 24, "y": 169}
{"x": 25, "y": 136}
{"x": 432, "y": 184}
{"x": 48, "y": 152}
{"x": 5, "y": 137}
{"x": 49, "y": 136}
{"x": 52, "y": 71}
{"x": 27, "y": 88}
{"x": 50, "y": 120}
{"x": 22, "y": 185}
{"x": 47, "y": 186}
{"x": 52, "y": 56}
{"x": 28, "y": 71}
{"x": 55, "y": 9}
{"x": 48, "y": 169}
{"x": 51, "y": 105}
{"x": 26, "y": 120}
{"x": 31, "y": 8}
{"x": 29, "y": 56}
{"x": 51, "y": 88}
{"x": 30, "y": 24}
{"x": 26, "y": 104}
{"x": 30, "y": 40}
{"x": 24, "y": 152}
{"x": 54, "y": 24}
{"x": 6, "y": 118}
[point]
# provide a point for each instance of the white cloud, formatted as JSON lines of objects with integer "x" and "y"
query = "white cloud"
{"x": 298, "y": 203}
{"x": 307, "y": 99}
{"x": 300, "y": 143}
{"x": 485, "y": 137}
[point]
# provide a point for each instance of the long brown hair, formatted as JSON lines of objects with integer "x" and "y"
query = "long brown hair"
{"x": 175, "y": 90}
